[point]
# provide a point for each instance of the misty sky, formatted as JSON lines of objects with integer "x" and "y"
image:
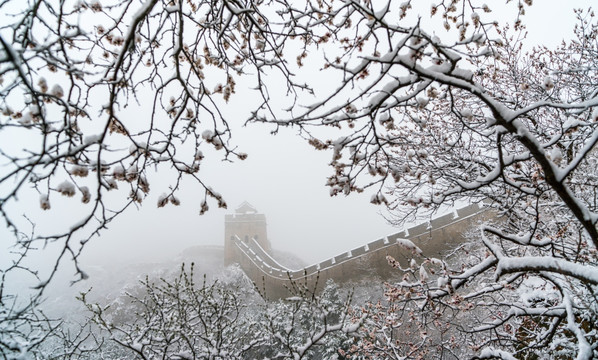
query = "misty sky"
{"x": 284, "y": 178}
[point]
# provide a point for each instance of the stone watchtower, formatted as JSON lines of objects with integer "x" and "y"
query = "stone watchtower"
{"x": 247, "y": 224}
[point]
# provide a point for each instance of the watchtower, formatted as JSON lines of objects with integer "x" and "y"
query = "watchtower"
{"x": 247, "y": 224}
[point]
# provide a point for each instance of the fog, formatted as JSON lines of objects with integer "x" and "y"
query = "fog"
{"x": 283, "y": 178}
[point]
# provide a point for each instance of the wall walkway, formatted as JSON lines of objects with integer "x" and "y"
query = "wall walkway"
{"x": 432, "y": 237}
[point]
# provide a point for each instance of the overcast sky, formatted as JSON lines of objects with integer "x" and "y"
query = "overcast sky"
{"x": 284, "y": 178}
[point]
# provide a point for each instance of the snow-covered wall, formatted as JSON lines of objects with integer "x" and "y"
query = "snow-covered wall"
{"x": 432, "y": 237}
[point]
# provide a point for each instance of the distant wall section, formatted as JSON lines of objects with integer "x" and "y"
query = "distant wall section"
{"x": 245, "y": 224}
{"x": 368, "y": 261}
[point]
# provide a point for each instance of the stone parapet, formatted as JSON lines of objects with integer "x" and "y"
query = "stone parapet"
{"x": 274, "y": 280}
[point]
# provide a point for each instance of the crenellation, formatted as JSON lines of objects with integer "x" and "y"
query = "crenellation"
{"x": 432, "y": 237}
{"x": 469, "y": 210}
{"x": 340, "y": 258}
{"x": 358, "y": 251}
{"x": 326, "y": 263}
{"x": 442, "y": 220}
{"x": 374, "y": 245}
{"x": 311, "y": 269}
{"x": 391, "y": 239}
{"x": 418, "y": 230}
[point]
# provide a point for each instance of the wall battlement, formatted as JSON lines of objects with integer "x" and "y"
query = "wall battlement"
{"x": 244, "y": 217}
{"x": 273, "y": 279}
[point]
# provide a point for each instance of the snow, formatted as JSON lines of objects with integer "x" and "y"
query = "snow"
{"x": 78, "y": 170}
{"x": 466, "y": 113}
{"x": 118, "y": 172}
{"x": 57, "y": 91}
{"x": 492, "y": 353}
{"x": 43, "y": 84}
{"x": 422, "y": 101}
{"x": 92, "y": 139}
{"x": 584, "y": 272}
{"x": 409, "y": 245}
{"x": 463, "y": 74}
{"x": 66, "y": 188}
{"x": 436, "y": 261}
{"x": 585, "y": 349}
{"x": 27, "y": 119}
{"x": 132, "y": 172}
{"x": 162, "y": 200}
{"x": 44, "y": 202}
{"x": 134, "y": 148}
{"x": 556, "y": 155}
{"x": 172, "y": 8}
{"x": 413, "y": 264}
{"x": 86, "y": 194}
{"x": 389, "y": 88}
{"x": 423, "y": 274}
{"x": 547, "y": 83}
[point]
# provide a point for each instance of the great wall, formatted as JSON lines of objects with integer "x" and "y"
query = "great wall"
{"x": 247, "y": 244}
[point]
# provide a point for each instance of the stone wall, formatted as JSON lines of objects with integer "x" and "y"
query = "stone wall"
{"x": 370, "y": 260}
{"x": 246, "y": 227}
